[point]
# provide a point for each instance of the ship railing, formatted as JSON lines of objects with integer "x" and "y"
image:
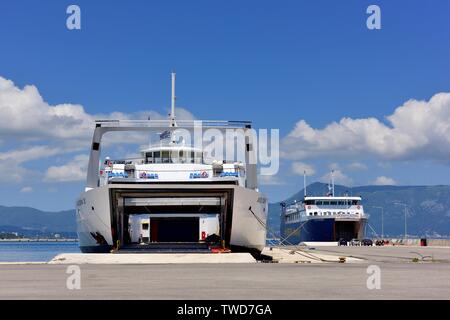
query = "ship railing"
{"x": 157, "y": 124}
{"x": 325, "y": 207}
{"x": 131, "y": 160}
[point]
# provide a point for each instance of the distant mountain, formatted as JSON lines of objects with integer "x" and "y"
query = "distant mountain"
{"x": 33, "y": 222}
{"x": 428, "y": 211}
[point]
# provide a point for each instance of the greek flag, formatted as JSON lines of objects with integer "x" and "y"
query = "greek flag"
{"x": 164, "y": 135}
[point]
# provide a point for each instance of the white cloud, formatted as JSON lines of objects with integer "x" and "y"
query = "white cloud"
{"x": 27, "y": 116}
{"x": 39, "y": 130}
{"x": 416, "y": 130}
{"x": 28, "y": 154}
{"x": 384, "y": 181}
{"x": 26, "y": 189}
{"x": 273, "y": 180}
{"x": 12, "y": 172}
{"x": 357, "y": 166}
{"x": 75, "y": 170}
{"x": 339, "y": 178}
{"x": 334, "y": 166}
{"x": 301, "y": 167}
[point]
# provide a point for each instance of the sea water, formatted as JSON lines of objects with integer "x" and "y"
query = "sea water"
{"x": 15, "y": 251}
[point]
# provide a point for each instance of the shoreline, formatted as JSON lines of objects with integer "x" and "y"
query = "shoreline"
{"x": 38, "y": 240}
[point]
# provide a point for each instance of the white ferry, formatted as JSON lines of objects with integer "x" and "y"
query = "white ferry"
{"x": 170, "y": 198}
{"x": 323, "y": 219}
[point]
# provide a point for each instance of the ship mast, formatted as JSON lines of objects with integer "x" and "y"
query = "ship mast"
{"x": 332, "y": 182}
{"x": 304, "y": 183}
{"x": 172, "y": 112}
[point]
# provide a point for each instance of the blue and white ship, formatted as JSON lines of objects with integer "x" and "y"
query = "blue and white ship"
{"x": 323, "y": 218}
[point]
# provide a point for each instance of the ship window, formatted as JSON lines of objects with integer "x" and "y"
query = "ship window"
{"x": 319, "y": 203}
{"x": 315, "y": 213}
{"x": 185, "y": 156}
{"x": 165, "y": 156}
{"x": 174, "y": 157}
{"x": 182, "y": 157}
{"x": 198, "y": 157}
{"x": 326, "y": 203}
{"x": 145, "y": 226}
{"x": 157, "y": 157}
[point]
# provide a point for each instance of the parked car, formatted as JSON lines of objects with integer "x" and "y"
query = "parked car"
{"x": 342, "y": 242}
{"x": 355, "y": 242}
{"x": 366, "y": 242}
{"x": 380, "y": 243}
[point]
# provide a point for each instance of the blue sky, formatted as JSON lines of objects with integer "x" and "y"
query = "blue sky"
{"x": 274, "y": 63}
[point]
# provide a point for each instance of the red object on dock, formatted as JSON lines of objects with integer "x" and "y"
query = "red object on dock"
{"x": 220, "y": 250}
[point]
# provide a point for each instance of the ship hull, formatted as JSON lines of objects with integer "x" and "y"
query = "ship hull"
{"x": 99, "y": 220}
{"x": 323, "y": 230}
